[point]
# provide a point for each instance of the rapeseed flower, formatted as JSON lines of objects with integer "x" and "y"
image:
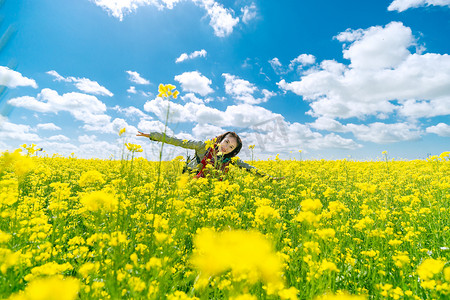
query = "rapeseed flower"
{"x": 133, "y": 147}
{"x": 165, "y": 91}
{"x": 92, "y": 177}
{"x": 99, "y": 200}
{"x": 50, "y": 288}
{"x": 430, "y": 267}
{"x": 343, "y": 296}
{"x": 245, "y": 253}
{"x": 311, "y": 205}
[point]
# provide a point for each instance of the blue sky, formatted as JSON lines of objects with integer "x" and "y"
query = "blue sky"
{"x": 335, "y": 79}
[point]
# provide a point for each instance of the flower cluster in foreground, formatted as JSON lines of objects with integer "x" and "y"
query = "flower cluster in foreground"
{"x": 104, "y": 229}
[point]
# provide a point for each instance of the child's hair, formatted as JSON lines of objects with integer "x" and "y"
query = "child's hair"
{"x": 238, "y": 140}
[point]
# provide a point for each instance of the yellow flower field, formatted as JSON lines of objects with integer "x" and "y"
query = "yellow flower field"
{"x": 104, "y": 229}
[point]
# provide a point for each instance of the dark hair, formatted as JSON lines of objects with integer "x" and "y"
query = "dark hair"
{"x": 238, "y": 140}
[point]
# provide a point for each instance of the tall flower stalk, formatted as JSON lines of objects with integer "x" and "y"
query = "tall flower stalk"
{"x": 166, "y": 92}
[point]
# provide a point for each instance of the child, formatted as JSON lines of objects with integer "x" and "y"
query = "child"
{"x": 225, "y": 147}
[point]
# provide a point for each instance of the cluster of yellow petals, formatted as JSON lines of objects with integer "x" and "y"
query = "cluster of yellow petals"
{"x": 166, "y": 91}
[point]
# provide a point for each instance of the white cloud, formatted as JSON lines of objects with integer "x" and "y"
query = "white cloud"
{"x": 132, "y": 90}
{"x": 440, "y": 129}
{"x": 385, "y": 133}
{"x": 48, "y": 126}
{"x": 91, "y": 87}
{"x": 195, "y": 82}
{"x": 83, "y": 84}
{"x": 149, "y": 126}
{"x": 418, "y": 109}
{"x": 57, "y": 76}
{"x": 190, "y": 97}
{"x": 86, "y": 108}
{"x": 50, "y": 101}
{"x": 377, "y": 132}
{"x": 136, "y": 78}
{"x": 12, "y": 132}
{"x": 242, "y": 115}
{"x": 302, "y": 60}
{"x": 119, "y": 9}
{"x": 299, "y": 62}
{"x": 378, "y": 48}
{"x": 132, "y": 112}
{"x": 195, "y": 54}
{"x": 242, "y": 90}
{"x": 324, "y": 123}
{"x": 248, "y": 13}
{"x": 222, "y": 20}
{"x": 59, "y": 138}
{"x": 277, "y": 136}
{"x": 87, "y": 139}
{"x": 13, "y": 79}
{"x": 206, "y": 131}
{"x": 107, "y": 126}
{"x": 275, "y": 63}
{"x": 402, "y": 5}
{"x": 383, "y": 77}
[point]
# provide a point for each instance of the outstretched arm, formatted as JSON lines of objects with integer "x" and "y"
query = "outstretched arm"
{"x": 159, "y": 137}
{"x": 249, "y": 168}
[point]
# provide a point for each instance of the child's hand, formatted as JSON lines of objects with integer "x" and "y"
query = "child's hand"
{"x": 278, "y": 178}
{"x": 143, "y": 134}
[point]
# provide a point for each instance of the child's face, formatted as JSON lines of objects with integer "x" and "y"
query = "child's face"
{"x": 228, "y": 144}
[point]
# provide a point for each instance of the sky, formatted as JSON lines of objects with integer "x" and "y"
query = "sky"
{"x": 335, "y": 79}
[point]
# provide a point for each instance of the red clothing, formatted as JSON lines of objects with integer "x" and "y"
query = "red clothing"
{"x": 210, "y": 158}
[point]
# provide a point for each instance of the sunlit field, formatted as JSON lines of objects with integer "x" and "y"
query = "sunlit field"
{"x": 109, "y": 229}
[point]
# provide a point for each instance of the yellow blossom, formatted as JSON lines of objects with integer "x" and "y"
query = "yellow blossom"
{"x": 99, "y": 200}
{"x": 133, "y": 147}
{"x": 51, "y": 288}
{"x": 244, "y": 252}
{"x": 430, "y": 267}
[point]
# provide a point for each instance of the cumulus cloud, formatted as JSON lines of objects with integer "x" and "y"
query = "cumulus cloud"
{"x": 48, "y": 126}
{"x": 278, "y": 136}
{"x": 383, "y": 77}
{"x": 385, "y": 133}
{"x": 248, "y": 13}
{"x": 297, "y": 63}
{"x": 83, "y": 84}
{"x": 87, "y": 139}
{"x": 302, "y": 60}
{"x": 195, "y": 54}
{"x": 149, "y": 126}
{"x": 242, "y": 115}
{"x": 440, "y": 129}
{"x": 12, "y": 132}
{"x": 13, "y": 79}
{"x": 132, "y": 90}
{"x": 82, "y": 107}
{"x": 190, "y": 97}
{"x": 119, "y": 9}
{"x": 402, "y": 5}
{"x": 206, "y": 131}
{"x": 195, "y": 82}
{"x": 59, "y": 137}
{"x": 377, "y": 132}
{"x": 132, "y": 112}
{"x": 242, "y": 90}
{"x": 221, "y": 18}
{"x": 136, "y": 78}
